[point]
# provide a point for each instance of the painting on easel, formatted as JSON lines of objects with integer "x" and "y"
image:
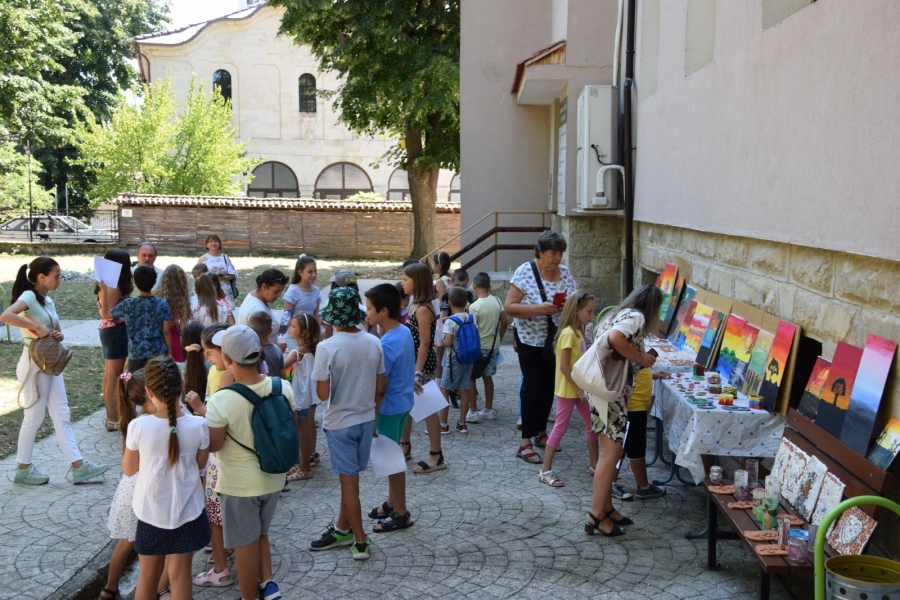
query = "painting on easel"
{"x": 812, "y": 395}
{"x": 776, "y": 364}
{"x": 865, "y": 397}
{"x": 838, "y": 386}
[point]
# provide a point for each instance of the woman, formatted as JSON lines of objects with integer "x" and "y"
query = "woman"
{"x": 623, "y": 331}
{"x": 206, "y": 306}
{"x": 114, "y": 336}
{"x": 531, "y": 314}
{"x": 34, "y": 313}
{"x": 269, "y": 286}
{"x": 219, "y": 264}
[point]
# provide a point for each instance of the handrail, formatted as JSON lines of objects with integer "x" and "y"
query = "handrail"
{"x": 494, "y": 214}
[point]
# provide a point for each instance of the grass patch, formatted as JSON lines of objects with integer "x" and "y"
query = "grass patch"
{"x": 83, "y": 375}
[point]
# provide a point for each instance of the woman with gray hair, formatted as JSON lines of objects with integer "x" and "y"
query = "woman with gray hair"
{"x": 536, "y": 296}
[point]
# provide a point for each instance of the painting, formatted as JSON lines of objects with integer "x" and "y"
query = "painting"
{"x": 836, "y": 396}
{"x": 810, "y": 486}
{"x": 785, "y": 450}
{"x": 682, "y": 312}
{"x": 790, "y": 483}
{"x": 753, "y": 375}
{"x": 829, "y": 496}
{"x": 711, "y": 337}
{"x": 743, "y": 354}
{"x": 697, "y": 329}
{"x": 776, "y": 364}
{"x": 667, "y": 286}
{"x": 852, "y": 532}
{"x": 877, "y": 356}
{"x": 809, "y": 402}
{"x": 731, "y": 344}
{"x": 682, "y": 331}
{"x": 887, "y": 445}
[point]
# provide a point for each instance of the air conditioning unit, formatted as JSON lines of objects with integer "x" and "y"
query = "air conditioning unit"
{"x": 597, "y": 135}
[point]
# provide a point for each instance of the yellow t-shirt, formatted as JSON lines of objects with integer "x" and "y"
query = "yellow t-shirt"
{"x": 568, "y": 338}
{"x": 643, "y": 391}
{"x": 213, "y": 376}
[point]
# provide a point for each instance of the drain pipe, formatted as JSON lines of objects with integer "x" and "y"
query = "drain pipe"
{"x": 627, "y": 147}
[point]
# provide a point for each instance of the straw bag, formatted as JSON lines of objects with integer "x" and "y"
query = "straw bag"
{"x": 587, "y": 373}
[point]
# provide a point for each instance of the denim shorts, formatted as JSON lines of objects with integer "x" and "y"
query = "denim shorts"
{"x": 348, "y": 448}
{"x": 461, "y": 378}
{"x": 114, "y": 341}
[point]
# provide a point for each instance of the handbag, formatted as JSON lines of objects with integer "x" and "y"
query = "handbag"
{"x": 234, "y": 288}
{"x": 549, "y": 352}
{"x": 482, "y": 362}
{"x": 49, "y": 355}
{"x": 587, "y": 373}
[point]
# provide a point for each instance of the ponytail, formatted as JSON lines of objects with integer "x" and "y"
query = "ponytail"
{"x": 131, "y": 395}
{"x": 28, "y": 274}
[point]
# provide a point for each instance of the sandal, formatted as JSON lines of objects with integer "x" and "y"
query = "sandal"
{"x": 163, "y": 593}
{"x": 623, "y": 521}
{"x": 113, "y": 594}
{"x": 381, "y": 512}
{"x": 408, "y": 454}
{"x": 590, "y": 527}
{"x": 212, "y": 579}
{"x": 299, "y": 475}
{"x": 423, "y": 467}
{"x": 314, "y": 460}
{"x": 112, "y": 426}
{"x": 550, "y": 479}
{"x": 541, "y": 440}
{"x": 527, "y": 453}
{"x": 393, "y": 523}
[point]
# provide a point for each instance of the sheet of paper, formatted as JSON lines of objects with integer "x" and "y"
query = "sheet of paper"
{"x": 386, "y": 457}
{"x": 428, "y": 402}
{"x": 107, "y": 271}
{"x": 500, "y": 359}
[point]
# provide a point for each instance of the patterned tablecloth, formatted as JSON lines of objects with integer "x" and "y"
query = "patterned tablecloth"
{"x": 669, "y": 358}
{"x": 692, "y": 431}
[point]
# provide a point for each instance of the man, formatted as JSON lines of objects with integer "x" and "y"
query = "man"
{"x": 146, "y": 255}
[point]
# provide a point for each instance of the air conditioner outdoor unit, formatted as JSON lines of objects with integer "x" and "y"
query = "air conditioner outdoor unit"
{"x": 597, "y": 128}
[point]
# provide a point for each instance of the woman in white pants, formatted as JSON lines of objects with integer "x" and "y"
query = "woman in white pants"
{"x": 35, "y": 314}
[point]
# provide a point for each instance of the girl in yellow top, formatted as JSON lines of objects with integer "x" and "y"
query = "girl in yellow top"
{"x": 570, "y": 345}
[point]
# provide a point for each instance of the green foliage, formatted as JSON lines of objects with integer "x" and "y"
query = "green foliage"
{"x": 148, "y": 149}
{"x": 14, "y": 182}
{"x": 365, "y": 197}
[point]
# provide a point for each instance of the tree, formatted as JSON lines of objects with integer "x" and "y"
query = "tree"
{"x": 399, "y": 65}
{"x": 14, "y": 185}
{"x": 146, "y": 148}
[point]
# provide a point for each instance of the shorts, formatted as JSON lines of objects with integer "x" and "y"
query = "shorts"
{"x": 156, "y": 541}
{"x": 391, "y": 426}
{"x": 461, "y": 378}
{"x": 491, "y": 369}
{"x": 301, "y": 414}
{"x": 115, "y": 342}
{"x": 246, "y": 519}
{"x": 348, "y": 448}
{"x": 636, "y": 440}
{"x": 136, "y": 364}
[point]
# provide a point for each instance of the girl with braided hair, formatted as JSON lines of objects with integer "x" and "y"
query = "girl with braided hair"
{"x": 167, "y": 451}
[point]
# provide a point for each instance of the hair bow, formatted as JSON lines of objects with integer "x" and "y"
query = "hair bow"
{"x": 126, "y": 376}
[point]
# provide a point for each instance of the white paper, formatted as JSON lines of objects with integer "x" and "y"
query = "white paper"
{"x": 428, "y": 402}
{"x": 107, "y": 271}
{"x": 386, "y": 457}
{"x": 500, "y": 359}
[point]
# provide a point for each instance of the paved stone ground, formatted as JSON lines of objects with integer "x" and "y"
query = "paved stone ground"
{"x": 485, "y": 528}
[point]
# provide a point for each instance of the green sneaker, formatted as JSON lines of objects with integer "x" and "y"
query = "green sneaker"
{"x": 87, "y": 470}
{"x": 360, "y": 550}
{"x": 31, "y": 475}
{"x": 332, "y": 538}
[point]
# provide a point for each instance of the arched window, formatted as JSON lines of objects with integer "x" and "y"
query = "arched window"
{"x": 222, "y": 82}
{"x": 398, "y": 185}
{"x": 273, "y": 180}
{"x": 307, "y": 86}
{"x": 454, "y": 195}
{"x": 340, "y": 181}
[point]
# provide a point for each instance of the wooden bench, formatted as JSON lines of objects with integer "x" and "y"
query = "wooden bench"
{"x": 860, "y": 476}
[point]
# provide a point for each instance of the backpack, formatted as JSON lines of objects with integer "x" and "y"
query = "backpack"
{"x": 468, "y": 341}
{"x": 274, "y": 429}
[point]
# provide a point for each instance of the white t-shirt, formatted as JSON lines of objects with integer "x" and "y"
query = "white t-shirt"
{"x": 251, "y": 305}
{"x": 302, "y": 382}
{"x": 167, "y": 497}
{"x": 353, "y": 361}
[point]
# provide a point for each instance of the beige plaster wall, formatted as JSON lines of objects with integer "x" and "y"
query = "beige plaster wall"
{"x": 789, "y": 134}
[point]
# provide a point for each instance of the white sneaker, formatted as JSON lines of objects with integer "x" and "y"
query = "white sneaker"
{"x": 487, "y": 414}
{"x": 473, "y": 417}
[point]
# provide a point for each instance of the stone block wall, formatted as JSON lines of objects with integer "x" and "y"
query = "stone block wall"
{"x": 595, "y": 254}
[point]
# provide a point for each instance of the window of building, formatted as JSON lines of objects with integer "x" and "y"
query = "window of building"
{"x": 454, "y": 195}
{"x": 307, "y": 86}
{"x": 222, "y": 82}
{"x": 273, "y": 180}
{"x": 398, "y": 185}
{"x": 340, "y": 181}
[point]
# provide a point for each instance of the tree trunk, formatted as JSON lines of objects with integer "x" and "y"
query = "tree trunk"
{"x": 423, "y": 194}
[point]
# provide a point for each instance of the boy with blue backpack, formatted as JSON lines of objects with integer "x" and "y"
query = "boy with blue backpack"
{"x": 462, "y": 337}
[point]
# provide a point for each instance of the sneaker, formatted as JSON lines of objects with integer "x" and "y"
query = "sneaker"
{"x": 473, "y": 417}
{"x": 332, "y": 538}
{"x": 487, "y": 414}
{"x": 31, "y": 475}
{"x": 651, "y": 491}
{"x": 360, "y": 550}
{"x": 87, "y": 470}
{"x": 445, "y": 429}
{"x": 269, "y": 591}
{"x": 619, "y": 492}
{"x": 212, "y": 579}
{"x": 461, "y": 428}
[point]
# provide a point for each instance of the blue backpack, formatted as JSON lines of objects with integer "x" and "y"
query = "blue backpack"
{"x": 468, "y": 341}
{"x": 274, "y": 429}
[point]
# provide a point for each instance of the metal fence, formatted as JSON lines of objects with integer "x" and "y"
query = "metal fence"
{"x": 106, "y": 221}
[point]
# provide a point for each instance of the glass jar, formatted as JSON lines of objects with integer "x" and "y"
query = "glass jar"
{"x": 797, "y": 549}
{"x": 715, "y": 475}
{"x": 741, "y": 489}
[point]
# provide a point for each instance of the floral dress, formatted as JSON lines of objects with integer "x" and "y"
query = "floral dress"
{"x": 431, "y": 362}
{"x": 618, "y": 372}
{"x": 122, "y": 522}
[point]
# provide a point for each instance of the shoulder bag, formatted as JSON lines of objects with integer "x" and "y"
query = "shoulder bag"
{"x": 482, "y": 362}
{"x": 234, "y": 288}
{"x": 49, "y": 355}
{"x": 549, "y": 353}
{"x": 587, "y": 373}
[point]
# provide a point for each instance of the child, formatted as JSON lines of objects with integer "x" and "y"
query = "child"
{"x": 199, "y": 269}
{"x": 492, "y": 322}
{"x": 302, "y": 295}
{"x": 194, "y": 364}
{"x": 440, "y": 264}
{"x": 404, "y": 302}
{"x": 307, "y": 334}
{"x": 261, "y": 323}
{"x": 247, "y": 494}
{"x": 577, "y": 312}
{"x": 635, "y": 446}
{"x": 383, "y": 310}
{"x": 348, "y": 365}
{"x": 167, "y": 451}
{"x": 460, "y": 279}
{"x": 207, "y": 305}
{"x": 148, "y": 319}
{"x": 457, "y": 376}
{"x": 173, "y": 288}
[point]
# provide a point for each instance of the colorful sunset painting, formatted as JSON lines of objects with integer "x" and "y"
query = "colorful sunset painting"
{"x": 672, "y": 307}
{"x": 753, "y": 376}
{"x": 681, "y": 312}
{"x": 743, "y": 354}
{"x": 697, "y": 329}
{"x": 667, "y": 285}
{"x": 731, "y": 345}
{"x": 887, "y": 445}
{"x": 865, "y": 397}
{"x": 682, "y": 329}
{"x": 809, "y": 402}
{"x": 710, "y": 337}
{"x": 838, "y": 386}
{"x": 776, "y": 364}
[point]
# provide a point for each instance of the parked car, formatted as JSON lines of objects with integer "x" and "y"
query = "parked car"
{"x": 53, "y": 228}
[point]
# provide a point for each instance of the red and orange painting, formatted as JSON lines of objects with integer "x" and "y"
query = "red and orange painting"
{"x": 809, "y": 403}
{"x": 838, "y": 387}
{"x": 731, "y": 345}
{"x": 667, "y": 286}
{"x": 776, "y": 364}
{"x": 697, "y": 329}
{"x": 867, "y": 392}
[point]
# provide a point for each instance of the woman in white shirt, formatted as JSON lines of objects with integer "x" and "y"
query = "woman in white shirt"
{"x": 219, "y": 265}
{"x": 269, "y": 285}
